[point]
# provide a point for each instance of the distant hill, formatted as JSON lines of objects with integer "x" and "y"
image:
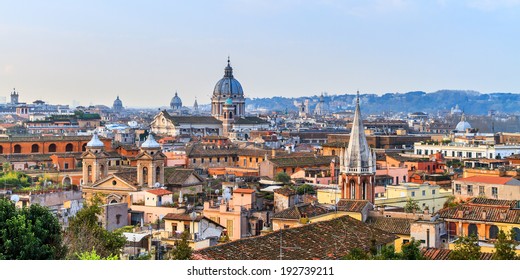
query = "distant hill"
{"x": 471, "y": 102}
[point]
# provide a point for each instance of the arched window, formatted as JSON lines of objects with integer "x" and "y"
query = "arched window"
{"x": 145, "y": 176}
{"x": 17, "y": 149}
{"x": 364, "y": 190}
{"x": 89, "y": 174}
{"x": 517, "y": 233}
{"x": 66, "y": 181}
{"x": 493, "y": 232}
{"x": 101, "y": 170}
{"x": 52, "y": 148}
{"x": 157, "y": 173}
{"x": 69, "y": 147}
{"x": 352, "y": 189}
{"x": 230, "y": 115}
{"x": 35, "y": 148}
{"x": 472, "y": 230}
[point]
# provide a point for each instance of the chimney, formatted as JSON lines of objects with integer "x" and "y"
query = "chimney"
{"x": 273, "y": 153}
{"x": 484, "y": 215}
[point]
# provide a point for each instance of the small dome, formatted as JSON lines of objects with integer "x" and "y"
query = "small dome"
{"x": 150, "y": 143}
{"x": 176, "y": 102}
{"x": 95, "y": 142}
{"x": 229, "y": 101}
{"x": 228, "y": 85}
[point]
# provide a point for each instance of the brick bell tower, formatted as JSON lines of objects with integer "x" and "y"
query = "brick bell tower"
{"x": 357, "y": 163}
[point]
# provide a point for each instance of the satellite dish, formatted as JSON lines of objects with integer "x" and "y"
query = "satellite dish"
{"x": 217, "y": 192}
{"x": 227, "y": 194}
{"x": 15, "y": 198}
{"x": 157, "y": 185}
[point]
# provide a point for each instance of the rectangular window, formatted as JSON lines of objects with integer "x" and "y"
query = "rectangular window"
{"x": 210, "y": 159}
{"x": 229, "y": 227}
{"x": 218, "y": 159}
{"x": 423, "y": 193}
{"x": 202, "y": 160}
{"x": 66, "y": 165}
{"x": 494, "y": 192}
{"x": 194, "y": 160}
{"x": 470, "y": 190}
{"x": 457, "y": 188}
{"x": 256, "y": 159}
{"x": 481, "y": 190}
{"x": 225, "y": 159}
{"x": 433, "y": 191}
{"x": 413, "y": 194}
{"x": 250, "y": 159}
{"x": 174, "y": 226}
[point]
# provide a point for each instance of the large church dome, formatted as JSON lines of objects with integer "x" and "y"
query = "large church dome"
{"x": 176, "y": 102}
{"x": 118, "y": 104}
{"x": 228, "y": 85}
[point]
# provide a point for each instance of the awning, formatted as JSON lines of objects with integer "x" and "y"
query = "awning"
{"x": 138, "y": 236}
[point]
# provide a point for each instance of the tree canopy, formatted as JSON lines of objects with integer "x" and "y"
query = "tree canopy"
{"x": 505, "y": 246}
{"x": 282, "y": 177}
{"x": 84, "y": 234}
{"x": 466, "y": 248}
{"x": 31, "y": 233}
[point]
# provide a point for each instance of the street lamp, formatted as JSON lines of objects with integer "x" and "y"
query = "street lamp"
{"x": 193, "y": 216}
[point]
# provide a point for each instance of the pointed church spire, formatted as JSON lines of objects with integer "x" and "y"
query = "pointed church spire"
{"x": 358, "y": 158}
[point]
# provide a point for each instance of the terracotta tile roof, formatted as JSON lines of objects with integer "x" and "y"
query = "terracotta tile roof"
{"x": 174, "y": 176}
{"x": 444, "y": 254}
{"x": 210, "y": 150}
{"x": 302, "y": 210}
{"x": 482, "y": 212}
{"x": 243, "y": 190}
{"x": 181, "y": 217}
{"x": 326, "y": 240}
{"x": 392, "y": 225}
{"x": 159, "y": 192}
{"x": 400, "y": 158}
{"x": 490, "y": 180}
{"x": 250, "y": 120}
{"x": 302, "y": 161}
{"x": 130, "y": 177}
{"x": 492, "y": 202}
{"x": 349, "y": 205}
{"x": 177, "y": 120}
{"x": 285, "y": 191}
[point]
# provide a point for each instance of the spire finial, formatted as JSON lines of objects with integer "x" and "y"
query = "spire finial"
{"x": 357, "y": 97}
{"x": 228, "y": 60}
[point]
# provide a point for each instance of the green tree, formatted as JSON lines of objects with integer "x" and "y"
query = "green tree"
{"x": 282, "y": 177}
{"x": 357, "y": 254}
{"x": 29, "y": 234}
{"x": 505, "y": 246}
{"x": 305, "y": 189}
{"x": 84, "y": 234}
{"x": 93, "y": 256}
{"x": 411, "y": 206}
{"x": 183, "y": 250}
{"x": 466, "y": 248}
{"x": 412, "y": 250}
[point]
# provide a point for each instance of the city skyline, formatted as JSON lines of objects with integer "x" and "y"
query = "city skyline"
{"x": 92, "y": 52}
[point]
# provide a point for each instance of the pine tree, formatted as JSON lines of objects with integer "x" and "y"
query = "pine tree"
{"x": 183, "y": 250}
{"x": 505, "y": 246}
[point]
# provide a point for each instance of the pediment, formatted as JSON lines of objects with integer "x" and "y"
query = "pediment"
{"x": 114, "y": 183}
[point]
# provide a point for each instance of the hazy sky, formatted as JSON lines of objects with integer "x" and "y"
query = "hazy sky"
{"x": 143, "y": 51}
